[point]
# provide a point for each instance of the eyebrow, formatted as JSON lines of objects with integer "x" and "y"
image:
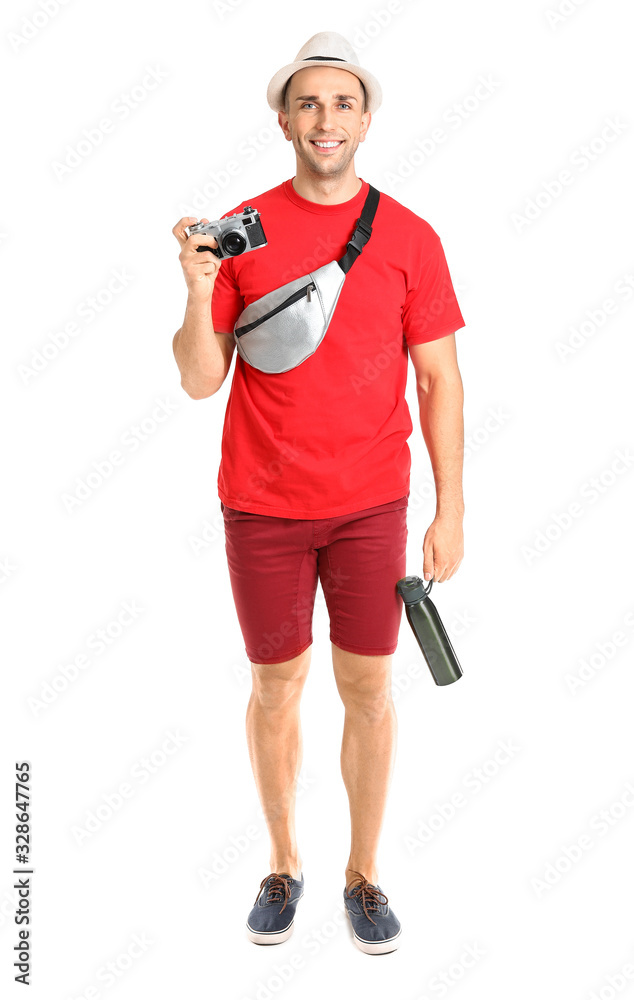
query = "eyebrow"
{"x": 340, "y": 97}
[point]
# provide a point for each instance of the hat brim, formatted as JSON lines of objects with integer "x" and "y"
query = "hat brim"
{"x": 275, "y": 89}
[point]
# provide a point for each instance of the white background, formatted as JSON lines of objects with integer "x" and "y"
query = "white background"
{"x": 539, "y": 591}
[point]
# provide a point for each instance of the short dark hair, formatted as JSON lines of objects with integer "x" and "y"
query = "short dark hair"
{"x": 286, "y": 103}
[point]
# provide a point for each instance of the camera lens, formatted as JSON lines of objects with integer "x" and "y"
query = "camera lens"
{"x": 234, "y": 243}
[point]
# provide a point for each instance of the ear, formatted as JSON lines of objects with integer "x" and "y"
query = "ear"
{"x": 366, "y": 118}
{"x": 282, "y": 119}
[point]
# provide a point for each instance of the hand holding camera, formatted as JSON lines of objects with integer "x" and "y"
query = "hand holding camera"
{"x": 199, "y": 264}
{"x": 237, "y": 234}
{"x": 234, "y": 235}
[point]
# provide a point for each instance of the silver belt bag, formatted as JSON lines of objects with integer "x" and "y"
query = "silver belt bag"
{"x": 284, "y": 327}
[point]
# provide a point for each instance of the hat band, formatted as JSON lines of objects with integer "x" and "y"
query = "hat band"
{"x": 328, "y": 58}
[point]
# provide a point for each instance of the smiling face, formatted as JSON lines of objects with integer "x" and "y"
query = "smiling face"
{"x": 324, "y": 118}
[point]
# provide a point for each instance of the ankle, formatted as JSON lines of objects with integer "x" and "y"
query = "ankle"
{"x": 291, "y": 867}
{"x": 368, "y": 870}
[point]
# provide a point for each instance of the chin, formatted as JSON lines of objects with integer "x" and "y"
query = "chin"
{"x": 327, "y": 163}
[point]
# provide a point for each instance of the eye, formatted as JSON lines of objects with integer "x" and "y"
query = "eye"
{"x": 343, "y": 104}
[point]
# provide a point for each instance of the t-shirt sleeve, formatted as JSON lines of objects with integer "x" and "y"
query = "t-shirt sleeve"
{"x": 226, "y": 301}
{"x": 431, "y": 309}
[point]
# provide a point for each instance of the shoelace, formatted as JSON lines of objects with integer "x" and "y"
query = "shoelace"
{"x": 366, "y": 891}
{"x": 278, "y": 889}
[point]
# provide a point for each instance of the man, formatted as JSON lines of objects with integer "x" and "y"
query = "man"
{"x": 314, "y": 477}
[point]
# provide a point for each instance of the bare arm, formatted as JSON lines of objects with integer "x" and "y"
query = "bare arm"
{"x": 441, "y": 399}
{"x": 202, "y": 354}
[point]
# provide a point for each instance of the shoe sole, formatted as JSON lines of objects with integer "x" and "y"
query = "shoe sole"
{"x": 270, "y": 937}
{"x": 374, "y": 947}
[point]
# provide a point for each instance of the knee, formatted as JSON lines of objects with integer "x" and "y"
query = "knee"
{"x": 370, "y": 701}
{"x": 277, "y": 687}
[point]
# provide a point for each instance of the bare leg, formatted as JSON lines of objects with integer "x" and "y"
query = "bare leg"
{"x": 368, "y": 751}
{"x": 275, "y": 745}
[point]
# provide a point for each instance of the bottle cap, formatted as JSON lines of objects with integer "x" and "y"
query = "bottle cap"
{"x": 412, "y": 589}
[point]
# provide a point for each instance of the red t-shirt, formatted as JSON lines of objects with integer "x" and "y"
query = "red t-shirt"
{"x": 329, "y": 436}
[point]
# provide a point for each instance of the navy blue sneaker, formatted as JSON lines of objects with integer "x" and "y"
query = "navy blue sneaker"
{"x": 364, "y": 902}
{"x": 272, "y": 918}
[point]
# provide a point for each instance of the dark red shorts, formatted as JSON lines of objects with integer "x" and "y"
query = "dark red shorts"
{"x": 274, "y": 564}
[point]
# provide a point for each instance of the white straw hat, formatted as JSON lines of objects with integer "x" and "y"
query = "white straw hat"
{"x": 326, "y": 48}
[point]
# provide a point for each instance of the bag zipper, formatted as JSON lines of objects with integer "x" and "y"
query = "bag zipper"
{"x": 305, "y": 290}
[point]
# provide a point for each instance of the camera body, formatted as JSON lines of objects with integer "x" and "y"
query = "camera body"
{"x": 236, "y": 234}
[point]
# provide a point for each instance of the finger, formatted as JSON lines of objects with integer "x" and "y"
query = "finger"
{"x": 200, "y": 240}
{"x": 204, "y": 257}
{"x": 207, "y": 267}
{"x": 197, "y": 269}
{"x": 179, "y": 228}
{"x": 428, "y": 562}
{"x": 454, "y": 568}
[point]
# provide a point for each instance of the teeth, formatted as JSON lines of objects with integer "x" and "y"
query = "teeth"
{"x": 326, "y": 145}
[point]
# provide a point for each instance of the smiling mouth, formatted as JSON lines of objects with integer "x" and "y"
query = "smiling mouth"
{"x": 327, "y": 144}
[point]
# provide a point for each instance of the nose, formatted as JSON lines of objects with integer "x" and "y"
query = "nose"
{"x": 325, "y": 120}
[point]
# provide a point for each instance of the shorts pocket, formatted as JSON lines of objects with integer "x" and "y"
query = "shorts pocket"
{"x": 391, "y": 505}
{"x": 230, "y": 513}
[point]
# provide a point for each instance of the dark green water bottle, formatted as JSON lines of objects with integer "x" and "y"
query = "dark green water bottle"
{"x": 429, "y": 630}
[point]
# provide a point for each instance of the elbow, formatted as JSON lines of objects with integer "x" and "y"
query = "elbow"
{"x": 198, "y": 391}
{"x": 451, "y": 381}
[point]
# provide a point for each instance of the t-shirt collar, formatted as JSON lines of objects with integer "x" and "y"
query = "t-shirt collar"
{"x": 352, "y": 205}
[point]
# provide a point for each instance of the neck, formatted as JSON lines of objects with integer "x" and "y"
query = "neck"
{"x": 326, "y": 190}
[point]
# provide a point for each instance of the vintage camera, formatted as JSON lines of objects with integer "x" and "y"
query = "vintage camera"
{"x": 236, "y": 234}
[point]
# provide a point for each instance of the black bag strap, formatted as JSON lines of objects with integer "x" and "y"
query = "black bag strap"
{"x": 362, "y": 232}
